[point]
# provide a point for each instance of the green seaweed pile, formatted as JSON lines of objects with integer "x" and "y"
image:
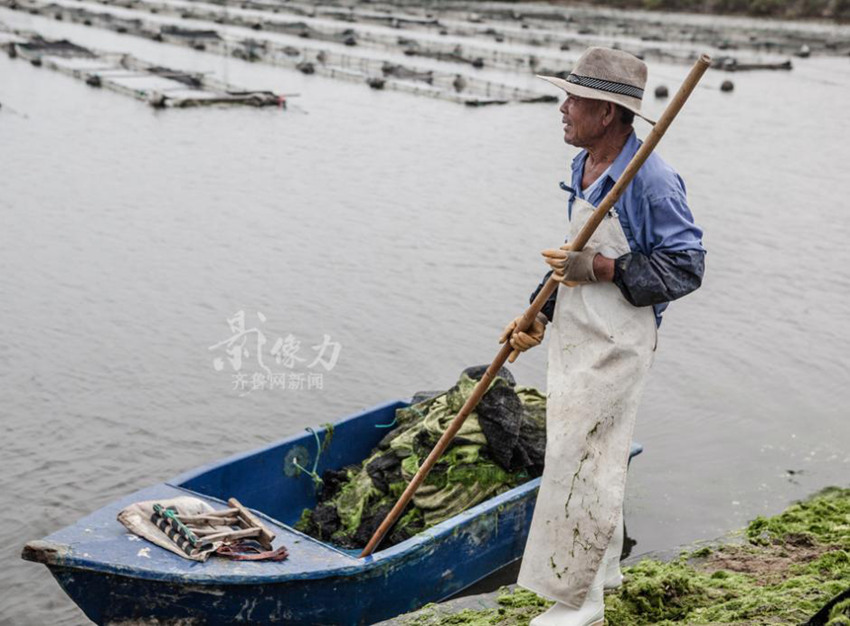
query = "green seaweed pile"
{"x": 515, "y": 607}
{"x": 788, "y": 568}
{"x": 499, "y": 446}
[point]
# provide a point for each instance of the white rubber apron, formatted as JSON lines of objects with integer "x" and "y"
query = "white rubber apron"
{"x": 600, "y": 351}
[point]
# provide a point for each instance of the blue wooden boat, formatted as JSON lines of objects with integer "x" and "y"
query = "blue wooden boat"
{"x": 116, "y": 577}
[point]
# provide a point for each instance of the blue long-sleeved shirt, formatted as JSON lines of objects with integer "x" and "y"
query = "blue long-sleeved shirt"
{"x": 667, "y": 259}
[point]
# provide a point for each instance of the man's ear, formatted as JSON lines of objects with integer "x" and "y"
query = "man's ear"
{"x": 609, "y": 112}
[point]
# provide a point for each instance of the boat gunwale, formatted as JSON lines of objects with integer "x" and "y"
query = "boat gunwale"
{"x": 395, "y": 555}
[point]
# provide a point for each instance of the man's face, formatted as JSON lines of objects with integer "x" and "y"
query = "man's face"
{"x": 582, "y": 118}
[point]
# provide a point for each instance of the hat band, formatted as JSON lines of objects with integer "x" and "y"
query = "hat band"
{"x": 606, "y": 85}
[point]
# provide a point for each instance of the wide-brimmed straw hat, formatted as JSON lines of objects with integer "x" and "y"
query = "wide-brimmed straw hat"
{"x": 606, "y": 74}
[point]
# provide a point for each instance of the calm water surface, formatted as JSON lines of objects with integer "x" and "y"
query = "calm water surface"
{"x": 408, "y": 230}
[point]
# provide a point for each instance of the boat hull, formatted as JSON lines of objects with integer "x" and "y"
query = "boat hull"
{"x": 117, "y": 578}
{"x": 392, "y": 587}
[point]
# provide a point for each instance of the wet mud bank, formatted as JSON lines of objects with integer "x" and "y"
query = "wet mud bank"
{"x": 793, "y": 568}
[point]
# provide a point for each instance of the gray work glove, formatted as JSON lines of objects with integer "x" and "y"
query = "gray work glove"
{"x": 522, "y": 341}
{"x": 571, "y": 268}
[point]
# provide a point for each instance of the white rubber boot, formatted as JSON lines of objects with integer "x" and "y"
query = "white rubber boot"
{"x": 611, "y": 560}
{"x": 591, "y": 613}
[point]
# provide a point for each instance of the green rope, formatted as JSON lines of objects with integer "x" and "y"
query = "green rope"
{"x": 320, "y": 447}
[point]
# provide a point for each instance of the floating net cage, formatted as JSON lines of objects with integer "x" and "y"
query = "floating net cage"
{"x": 122, "y": 73}
{"x": 566, "y": 25}
{"x": 544, "y": 33}
{"x": 479, "y": 37}
{"x": 377, "y": 73}
{"x": 466, "y": 53}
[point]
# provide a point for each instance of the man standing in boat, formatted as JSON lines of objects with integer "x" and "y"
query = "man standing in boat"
{"x": 604, "y": 315}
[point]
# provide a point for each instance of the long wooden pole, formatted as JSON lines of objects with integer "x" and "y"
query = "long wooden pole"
{"x": 551, "y": 285}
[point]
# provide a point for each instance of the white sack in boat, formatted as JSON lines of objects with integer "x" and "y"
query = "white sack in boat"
{"x": 137, "y": 519}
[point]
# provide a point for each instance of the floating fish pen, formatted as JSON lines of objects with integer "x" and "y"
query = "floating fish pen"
{"x": 544, "y": 44}
{"x": 475, "y": 56}
{"x": 376, "y": 73}
{"x": 295, "y": 28}
{"x": 380, "y": 74}
{"x": 464, "y": 54}
{"x": 159, "y": 86}
{"x": 454, "y": 87}
{"x": 753, "y": 34}
{"x": 741, "y": 34}
{"x": 511, "y": 26}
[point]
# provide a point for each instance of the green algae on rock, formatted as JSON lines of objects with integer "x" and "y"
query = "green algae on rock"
{"x": 791, "y": 566}
{"x": 840, "y": 614}
{"x": 825, "y": 518}
{"x": 515, "y": 607}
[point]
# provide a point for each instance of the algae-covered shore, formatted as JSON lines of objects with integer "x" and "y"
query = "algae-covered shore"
{"x": 783, "y": 570}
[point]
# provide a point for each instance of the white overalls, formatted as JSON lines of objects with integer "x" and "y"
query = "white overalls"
{"x": 600, "y": 351}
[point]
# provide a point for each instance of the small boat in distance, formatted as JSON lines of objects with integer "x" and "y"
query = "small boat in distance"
{"x": 116, "y": 577}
